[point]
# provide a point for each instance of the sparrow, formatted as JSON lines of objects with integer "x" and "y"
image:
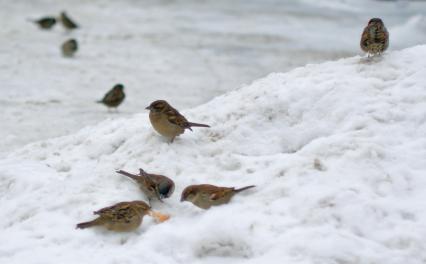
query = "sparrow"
{"x": 375, "y": 37}
{"x": 45, "y": 22}
{"x": 67, "y": 22}
{"x": 114, "y": 97}
{"x": 122, "y": 217}
{"x": 69, "y": 48}
{"x": 152, "y": 185}
{"x": 205, "y": 195}
{"x": 167, "y": 121}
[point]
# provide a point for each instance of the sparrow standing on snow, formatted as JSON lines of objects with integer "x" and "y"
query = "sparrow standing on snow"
{"x": 152, "y": 185}
{"x": 114, "y": 97}
{"x": 122, "y": 217}
{"x": 67, "y": 21}
{"x": 167, "y": 121}
{"x": 375, "y": 37}
{"x": 69, "y": 48}
{"x": 45, "y": 22}
{"x": 206, "y": 195}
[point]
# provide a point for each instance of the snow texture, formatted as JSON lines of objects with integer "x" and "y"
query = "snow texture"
{"x": 186, "y": 51}
{"x": 337, "y": 151}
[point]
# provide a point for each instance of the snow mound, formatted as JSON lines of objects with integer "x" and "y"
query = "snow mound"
{"x": 337, "y": 151}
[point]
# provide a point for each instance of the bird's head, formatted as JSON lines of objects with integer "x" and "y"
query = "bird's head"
{"x": 375, "y": 21}
{"x": 188, "y": 194}
{"x": 158, "y": 106}
{"x": 166, "y": 188}
{"x": 119, "y": 87}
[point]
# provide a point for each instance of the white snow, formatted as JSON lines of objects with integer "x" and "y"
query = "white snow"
{"x": 186, "y": 50}
{"x": 337, "y": 151}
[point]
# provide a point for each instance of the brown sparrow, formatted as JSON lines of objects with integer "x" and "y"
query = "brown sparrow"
{"x": 67, "y": 22}
{"x": 69, "y": 48}
{"x": 152, "y": 185}
{"x": 114, "y": 97}
{"x": 45, "y": 22}
{"x": 167, "y": 121}
{"x": 206, "y": 195}
{"x": 124, "y": 216}
{"x": 375, "y": 37}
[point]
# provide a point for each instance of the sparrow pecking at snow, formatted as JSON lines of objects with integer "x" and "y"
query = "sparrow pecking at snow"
{"x": 114, "y": 97}
{"x": 67, "y": 22}
{"x": 375, "y": 37}
{"x": 69, "y": 48}
{"x": 167, "y": 121}
{"x": 45, "y": 22}
{"x": 152, "y": 185}
{"x": 122, "y": 217}
{"x": 205, "y": 195}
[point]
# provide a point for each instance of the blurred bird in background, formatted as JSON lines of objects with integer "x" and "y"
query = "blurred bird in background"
{"x": 114, "y": 97}
{"x": 375, "y": 37}
{"x": 45, "y": 22}
{"x": 67, "y": 22}
{"x": 69, "y": 48}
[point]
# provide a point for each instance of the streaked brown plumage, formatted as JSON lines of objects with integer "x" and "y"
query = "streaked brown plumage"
{"x": 167, "y": 121}
{"x": 375, "y": 37}
{"x": 205, "y": 195}
{"x": 69, "y": 48}
{"x": 114, "y": 97}
{"x": 124, "y": 216}
{"x": 45, "y": 22}
{"x": 67, "y": 22}
{"x": 154, "y": 186}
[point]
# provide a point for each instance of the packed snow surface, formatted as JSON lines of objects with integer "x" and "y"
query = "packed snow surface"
{"x": 186, "y": 50}
{"x": 337, "y": 152}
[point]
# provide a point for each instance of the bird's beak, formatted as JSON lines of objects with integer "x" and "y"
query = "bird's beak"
{"x": 148, "y": 108}
{"x": 182, "y": 199}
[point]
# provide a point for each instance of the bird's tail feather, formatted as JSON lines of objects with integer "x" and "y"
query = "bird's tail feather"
{"x": 245, "y": 188}
{"x": 88, "y": 224}
{"x": 197, "y": 125}
{"x": 125, "y": 173}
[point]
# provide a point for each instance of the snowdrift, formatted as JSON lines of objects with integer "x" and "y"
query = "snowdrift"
{"x": 337, "y": 151}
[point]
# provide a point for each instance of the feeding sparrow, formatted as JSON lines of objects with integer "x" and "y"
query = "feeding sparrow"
{"x": 122, "y": 217}
{"x": 114, "y": 97}
{"x": 167, "y": 121}
{"x": 45, "y": 22}
{"x": 375, "y": 37}
{"x": 206, "y": 195}
{"x": 69, "y": 48}
{"x": 67, "y": 21}
{"x": 154, "y": 186}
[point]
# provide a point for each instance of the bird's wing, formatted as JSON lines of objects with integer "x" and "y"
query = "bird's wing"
{"x": 110, "y": 210}
{"x": 176, "y": 118}
{"x": 113, "y": 96}
{"x": 364, "y": 38}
